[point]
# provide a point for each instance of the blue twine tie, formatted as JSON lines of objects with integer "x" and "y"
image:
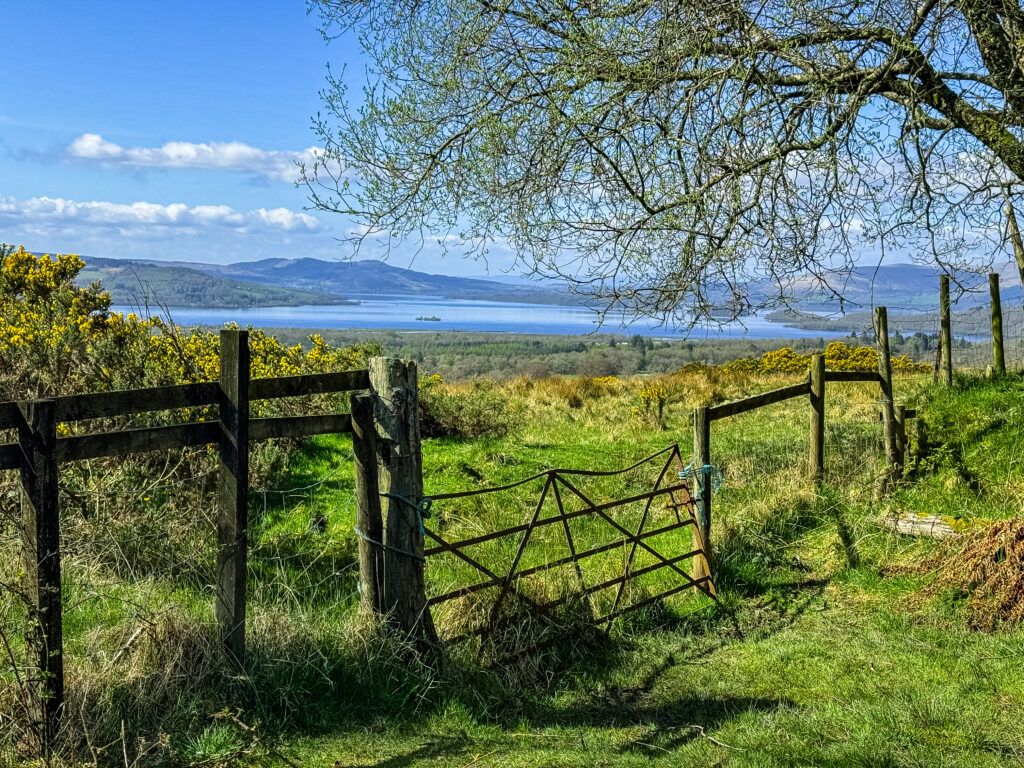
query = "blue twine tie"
{"x": 422, "y": 508}
{"x": 703, "y": 474}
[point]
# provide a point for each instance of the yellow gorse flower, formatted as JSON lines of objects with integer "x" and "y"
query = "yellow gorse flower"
{"x": 65, "y": 338}
{"x": 838, "y": 357}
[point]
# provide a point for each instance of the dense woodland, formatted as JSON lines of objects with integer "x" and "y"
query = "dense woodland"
{"x": 457, "y": 355}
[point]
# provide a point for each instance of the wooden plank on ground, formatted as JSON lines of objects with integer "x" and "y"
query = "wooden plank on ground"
{"x": 932, "y": 526}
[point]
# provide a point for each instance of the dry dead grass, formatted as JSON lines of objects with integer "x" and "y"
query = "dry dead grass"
{"x": 987, "y": 568}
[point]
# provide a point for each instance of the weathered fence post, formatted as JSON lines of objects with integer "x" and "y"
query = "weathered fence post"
{"x": 701, "y": 459}
{"x": 946, "y": 337}
{"x": 369, "y": 523}
{"x": 923, "y": 448}
{"x": 997, "y": 324}
{"x": 233, "y": 491}
{"x": 817, "y": 417}
{"x": 900, "y": 422}
{"x": 888, "y": 412}
{"x": 40, "y": 537}
{"x": 401, "y": 490}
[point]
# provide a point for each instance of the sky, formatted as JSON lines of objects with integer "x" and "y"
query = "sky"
{"x": 170, "y": 131}
{"x": 155, "y": 130}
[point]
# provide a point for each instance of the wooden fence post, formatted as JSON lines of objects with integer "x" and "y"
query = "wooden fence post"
{"x": 900, "y": 422}
{"x": 40, "y": 536}
{"x": 368, "y": 516}
{"x": 701, "y": 458}
{"x": 888, "y": 412}
{"x": 997, "y": 324}
{"x": 233, "y": 492}
{"x": 401, "y": 485}
{"x": 817, "y": 417}
{"x": 946, "y": 338}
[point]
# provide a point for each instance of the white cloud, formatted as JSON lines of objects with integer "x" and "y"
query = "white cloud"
{"x": 225, "y": 156}
{"x": 143, "y": 219}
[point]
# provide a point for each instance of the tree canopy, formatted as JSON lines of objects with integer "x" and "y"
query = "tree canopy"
{"x": 675, "y": 157}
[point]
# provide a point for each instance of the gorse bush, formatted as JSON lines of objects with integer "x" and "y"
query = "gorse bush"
{"x": 651, "y": 407}
{"x": 58, "y": 338}
{"x": 480, "y": 410}
{"x": 838, "y": 357}
{"x": 141, "y": 524}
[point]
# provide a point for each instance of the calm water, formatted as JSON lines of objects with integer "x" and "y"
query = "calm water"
{"x": 401, "y": 314}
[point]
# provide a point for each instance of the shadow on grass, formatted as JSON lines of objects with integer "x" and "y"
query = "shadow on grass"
{"x": 678, "y": 724}
{"x": 667, "y": 728}
{"x": 440, "y": 747}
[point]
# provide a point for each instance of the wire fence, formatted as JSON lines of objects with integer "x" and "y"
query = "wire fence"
{"x": 973, "y": 316}
{"x": 139, "y": 554}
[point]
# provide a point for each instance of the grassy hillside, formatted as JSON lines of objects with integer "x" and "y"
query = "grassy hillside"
{"x": 830, "y": 644}
{"x": 136, "y": 284}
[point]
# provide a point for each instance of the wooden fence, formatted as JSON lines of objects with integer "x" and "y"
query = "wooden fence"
{"x": 39, "y": 453}
{"x": 384, "y": 422}
{"x": 894, "y": 418}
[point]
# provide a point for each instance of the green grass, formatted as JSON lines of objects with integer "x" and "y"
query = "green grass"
{"x": 821, "y": 650}
{"x": 813, "y": 657}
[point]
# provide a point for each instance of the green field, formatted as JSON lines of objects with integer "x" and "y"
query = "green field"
{"x": 827, "y": 647}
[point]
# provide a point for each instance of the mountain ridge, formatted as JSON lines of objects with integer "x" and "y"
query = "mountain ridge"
{"x": 140, "y": 283}
{"x": 902, "y": 287}
{"x": 375, "y": 277}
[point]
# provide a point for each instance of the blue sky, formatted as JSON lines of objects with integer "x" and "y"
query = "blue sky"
{"x": 168, "y": 130}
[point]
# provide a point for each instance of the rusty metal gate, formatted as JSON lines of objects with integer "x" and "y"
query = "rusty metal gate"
{"x": 529, "y": 549}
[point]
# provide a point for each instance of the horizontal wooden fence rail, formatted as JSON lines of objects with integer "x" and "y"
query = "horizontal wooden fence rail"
{"x": 736, "y": 407}
{"x": 102, "y": 405}
{"x": 310, "y": 384}
{"x": 866, "y": 376}
{"x": 142, "y": 440}
{"x": 39, "y": 451}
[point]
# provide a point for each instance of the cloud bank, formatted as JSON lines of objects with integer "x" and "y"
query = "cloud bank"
{"x": 225, "y": 156}
{"x": 138, "y": 218}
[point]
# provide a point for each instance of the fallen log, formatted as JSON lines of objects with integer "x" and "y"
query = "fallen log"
{"x": 933, "y": 526}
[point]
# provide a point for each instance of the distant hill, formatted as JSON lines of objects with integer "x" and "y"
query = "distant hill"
{"x": 901, "y": 288}
{"x": 291, "y": 282}
{"x": 137, "y": 282}
{"x": 375, "y": 278}
{"x": 910, "y": 292}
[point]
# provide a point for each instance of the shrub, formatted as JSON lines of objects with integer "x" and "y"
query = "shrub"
{"x": 838, "y": 357}
{"x": 651, "y": 408}
{"x": 480, "y": 411}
